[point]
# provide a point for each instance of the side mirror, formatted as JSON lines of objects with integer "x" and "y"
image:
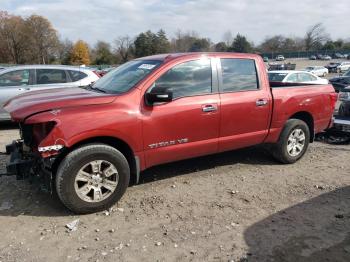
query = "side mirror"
{"x": 158, "y": 95}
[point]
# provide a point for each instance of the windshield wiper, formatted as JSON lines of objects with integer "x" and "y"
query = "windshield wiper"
{"x": 99, "y": 89}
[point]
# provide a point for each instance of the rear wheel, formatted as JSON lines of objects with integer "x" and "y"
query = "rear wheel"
{"x": 92, "y": 178}
{"x": 293, "y": 142}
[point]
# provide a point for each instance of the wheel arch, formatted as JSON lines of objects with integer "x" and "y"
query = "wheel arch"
{"x": 308, "y": 119}
{"x": 114, "y": 142}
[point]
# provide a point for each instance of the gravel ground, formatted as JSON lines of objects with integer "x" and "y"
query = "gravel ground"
{"x": 240, "y": 206}
{"x": 236, "y": 206}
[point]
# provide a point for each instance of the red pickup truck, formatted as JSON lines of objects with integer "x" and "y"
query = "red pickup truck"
{"x": 90, "y": 142}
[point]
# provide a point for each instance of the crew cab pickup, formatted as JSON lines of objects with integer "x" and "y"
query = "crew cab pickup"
{"x": 89, "y": 143}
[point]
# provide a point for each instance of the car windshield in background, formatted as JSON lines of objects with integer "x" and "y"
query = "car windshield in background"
{"x": 126, "y": 76}
{"x": 347, "y": 73}
{"x": 277, "y": 77}
{"x": 310, "y": 68}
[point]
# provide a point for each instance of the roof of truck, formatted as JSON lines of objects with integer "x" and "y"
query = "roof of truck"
{"x": 171, "y": 56}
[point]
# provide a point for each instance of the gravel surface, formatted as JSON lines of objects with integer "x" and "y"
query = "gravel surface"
{"x": 236, "y": 206}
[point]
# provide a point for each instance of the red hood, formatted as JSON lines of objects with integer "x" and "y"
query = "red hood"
{"x": 30, "y": 103}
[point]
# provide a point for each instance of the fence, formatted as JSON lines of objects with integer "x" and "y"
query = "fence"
{"x": 304, "y": 54}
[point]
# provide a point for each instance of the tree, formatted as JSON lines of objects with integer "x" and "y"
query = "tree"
{"x": 103, "y": 54}
{"x": 161, "y": 43}
{"x": 221, "y": 47}
{"x": 43, "y": 39}
{"x": 124, "y": 48}
{"x": 227, "y": 38}
{"x": 315, "y": 37}
{"x": 144, "y": 44}
{"x": 65, "y": 49}
{"x": 13, "y": 38}
{"x": 329, "y": 45}
{"x": 241, "y": 44}
{"x": 200, "y": 45}
{"x": 80, "y": 54}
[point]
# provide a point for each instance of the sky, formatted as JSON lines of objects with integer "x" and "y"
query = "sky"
{"x": 93, "y": 20}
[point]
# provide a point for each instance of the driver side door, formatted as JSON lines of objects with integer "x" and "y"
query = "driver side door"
{"x": 187, "y": 126}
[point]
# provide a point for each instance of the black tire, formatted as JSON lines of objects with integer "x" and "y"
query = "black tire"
{"x": 74, "y": 161}
{"x": 279, "y": 150}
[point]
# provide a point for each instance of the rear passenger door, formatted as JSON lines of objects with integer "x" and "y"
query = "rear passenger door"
{"x": 245, "y": 104}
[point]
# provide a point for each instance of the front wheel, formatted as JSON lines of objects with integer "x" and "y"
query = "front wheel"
{"x": 293, "y": 142}
{"x": 92, "y": 178}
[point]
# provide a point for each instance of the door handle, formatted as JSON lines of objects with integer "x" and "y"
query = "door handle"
{"x": 209, "y": 108}
{"x": 261, "y": 102}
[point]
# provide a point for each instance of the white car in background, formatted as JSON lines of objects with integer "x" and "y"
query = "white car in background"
{"x": 344, "y": 66}
{"x": 291, "y": 76}
{"x": 317, "y": 70}
{"x": 280, "y": 58}
{"x": 16, "y": 80}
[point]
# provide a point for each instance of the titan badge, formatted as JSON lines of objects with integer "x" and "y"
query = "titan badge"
{"x": 169, "y": 143}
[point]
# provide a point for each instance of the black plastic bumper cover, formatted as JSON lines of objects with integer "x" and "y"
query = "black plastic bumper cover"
{"x": 18, "y": 165}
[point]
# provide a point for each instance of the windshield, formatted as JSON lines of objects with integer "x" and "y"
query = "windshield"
{"x": 347, "y": 73}
{"x": 277, "y": 77}
{"x": 310, "y": 68}
{"x": 126, "y": 76}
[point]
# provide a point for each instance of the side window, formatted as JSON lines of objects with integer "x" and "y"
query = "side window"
{"x": 76, "y": 75}
{"x": 292, "y": 78}
{"x": 238, "y": 75}
{"x": 50, "y": 76}
{"x": 15, "y": 78}
{"x": 188, "y": 79}
{"x": 305, "y": 77}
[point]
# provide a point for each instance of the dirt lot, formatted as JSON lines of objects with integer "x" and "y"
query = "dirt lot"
{"x": 236, "y": 206}
{"x": 239, "y": 206}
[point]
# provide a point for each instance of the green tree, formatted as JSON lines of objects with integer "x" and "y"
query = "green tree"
{"x": 103, "y": 54}
{"x": 221, "y": 47}
{"x": 144, "y": 44}
{"x": 80, "y": 54}
{"x": 240, "y": 44}
{"x": 200, "y": 45}
{"x": 161, "y": 43}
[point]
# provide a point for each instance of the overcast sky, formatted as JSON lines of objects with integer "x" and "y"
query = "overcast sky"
{"x": 93, "y": 20}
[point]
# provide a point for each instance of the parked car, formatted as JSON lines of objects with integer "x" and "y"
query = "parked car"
{"x": 317, "y": 70}
{"x": 266, "y": 59}
{"x": 343, "y": 66}
{"x": 326, "y": 57}
{"x": 319, "y": 56}
{"x": 332, "y": 67}
{"x": 313, "y": 57}
{"x": 149, "y": 111}
{"x": 344, "y": 98}
{"x": 291, "y": 76}
{"x": 17, "y": 80}
{"x": 339, "y": 55}
{"x": 341, "y": 82}
{"x": 280, "y": 58}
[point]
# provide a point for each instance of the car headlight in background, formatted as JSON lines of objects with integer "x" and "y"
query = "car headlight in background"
{"x": 344, "y": 95}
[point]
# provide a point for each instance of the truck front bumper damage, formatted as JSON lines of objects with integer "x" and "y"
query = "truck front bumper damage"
{"x": 27, "y": 165}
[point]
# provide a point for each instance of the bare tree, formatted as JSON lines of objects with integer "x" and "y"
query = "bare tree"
{"x": 228, "y": 38}
{"x": 13, "y": 37}
{"x": 124, "y": 47}
{"x": 43, "y": 39}
{"x": 315, "y": 37}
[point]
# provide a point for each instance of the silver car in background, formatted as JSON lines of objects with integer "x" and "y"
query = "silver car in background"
{"x": 17, "y": 80}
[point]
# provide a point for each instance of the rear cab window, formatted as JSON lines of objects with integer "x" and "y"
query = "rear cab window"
{"x": 238, "y": 75}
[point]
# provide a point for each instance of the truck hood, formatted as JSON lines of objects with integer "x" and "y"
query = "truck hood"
{"x": 22, "y": 106}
